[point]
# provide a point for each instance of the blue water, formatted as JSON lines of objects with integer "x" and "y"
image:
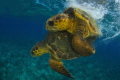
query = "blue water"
{"x": 19, "y": 31}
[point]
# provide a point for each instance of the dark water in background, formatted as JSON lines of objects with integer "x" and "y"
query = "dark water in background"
{"x": 19, "y": 32}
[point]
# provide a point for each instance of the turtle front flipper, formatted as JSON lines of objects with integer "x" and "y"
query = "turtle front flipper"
{"x": 58, "y": 66}
{"x": 81, "y": 46}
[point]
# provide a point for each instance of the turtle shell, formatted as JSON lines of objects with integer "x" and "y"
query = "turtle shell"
{"x": 59, "y": 44}
{"x": 83, "y": 18}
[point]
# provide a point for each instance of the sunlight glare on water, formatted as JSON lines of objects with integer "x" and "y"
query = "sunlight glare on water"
{"x": 117, "y": 1}
{"x": 97, "y": 11}
{"x": 112, "y": 27}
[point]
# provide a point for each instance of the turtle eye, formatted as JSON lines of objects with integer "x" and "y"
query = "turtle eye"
{"x": 51, "y": 23}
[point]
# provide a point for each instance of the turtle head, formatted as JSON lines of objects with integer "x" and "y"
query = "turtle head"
{"x": 58, "y": 22}
{"x": 38, "y": 49}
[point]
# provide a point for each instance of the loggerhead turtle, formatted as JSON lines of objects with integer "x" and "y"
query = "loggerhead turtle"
{"x": 80, "y": 24}
{"x": 58, "y": 44}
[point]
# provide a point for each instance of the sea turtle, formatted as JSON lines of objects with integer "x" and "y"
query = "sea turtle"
{"x": 58, "y": 44}
{"x": 79, "y": 23}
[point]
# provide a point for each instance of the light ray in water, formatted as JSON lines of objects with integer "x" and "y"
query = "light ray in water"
{"x": 112, "y": 36}
{"x": 37, "y": 1}
{"x": 55, "y": 5}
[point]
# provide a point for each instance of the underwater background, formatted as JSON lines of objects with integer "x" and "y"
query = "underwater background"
{"x": 22, "y": 24}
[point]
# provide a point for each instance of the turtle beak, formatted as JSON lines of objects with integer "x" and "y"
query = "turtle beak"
{"x": 32, "y": 54}
{"x": 46, "y": 27}
{"x": 51, "y": 28}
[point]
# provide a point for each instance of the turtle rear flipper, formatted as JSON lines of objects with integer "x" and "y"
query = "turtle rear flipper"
{"x": 81, "y": 46}
{"x": 58, "y": 66}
